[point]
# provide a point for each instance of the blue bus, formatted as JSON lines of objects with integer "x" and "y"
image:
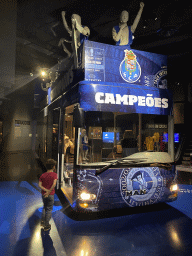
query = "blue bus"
{"x": 116, "y": 131}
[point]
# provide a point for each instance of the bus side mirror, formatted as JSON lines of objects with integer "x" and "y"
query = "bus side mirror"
{"x": 78, "y": 117}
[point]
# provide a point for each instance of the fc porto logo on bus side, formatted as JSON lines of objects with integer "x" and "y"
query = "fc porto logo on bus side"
{"x": 160, "y": 80}
{"x": 141, "y": 186}
{"x": 130, "y": 69}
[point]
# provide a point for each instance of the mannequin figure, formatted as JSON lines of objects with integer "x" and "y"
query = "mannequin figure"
{"x": 122, "y": 34}
{"x": 68, "y": 146}
{"x": 78, "y": 33}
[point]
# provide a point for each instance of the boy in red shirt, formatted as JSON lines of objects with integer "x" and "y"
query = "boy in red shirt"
{"x": 47, "y": 183}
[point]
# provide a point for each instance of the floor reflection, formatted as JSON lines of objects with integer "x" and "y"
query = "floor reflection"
{"x": 163, "y": 229}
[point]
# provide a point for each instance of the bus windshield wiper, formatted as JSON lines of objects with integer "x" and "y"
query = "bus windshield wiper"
{"x": 129, "y": 161}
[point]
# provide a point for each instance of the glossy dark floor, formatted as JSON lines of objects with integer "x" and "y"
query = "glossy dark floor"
{"x": 159, "y": 230}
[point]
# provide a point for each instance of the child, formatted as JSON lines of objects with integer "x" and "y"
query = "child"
{"x": 47, "y": 183}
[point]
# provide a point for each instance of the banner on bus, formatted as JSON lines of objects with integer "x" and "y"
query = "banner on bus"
{"x": 109, "y": 63}
{"x": 130, "y": 99}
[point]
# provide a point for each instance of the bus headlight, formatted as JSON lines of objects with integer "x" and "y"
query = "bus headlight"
{"x": 173, "y": 188}
{"x": 87, "y": 196}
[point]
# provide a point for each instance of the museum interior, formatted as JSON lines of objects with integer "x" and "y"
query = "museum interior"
{"x": 37, "y": 39}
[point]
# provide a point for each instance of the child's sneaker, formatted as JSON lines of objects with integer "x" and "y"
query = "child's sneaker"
{"x": 48, "y": 227}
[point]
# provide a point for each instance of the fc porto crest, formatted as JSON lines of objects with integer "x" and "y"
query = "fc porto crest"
{"x": 130, "y": 69}
{"x": 141, "y": 186}
{"x": 160, "y": 80}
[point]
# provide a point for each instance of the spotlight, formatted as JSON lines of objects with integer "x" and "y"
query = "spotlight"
{"x": 44, "y": 73}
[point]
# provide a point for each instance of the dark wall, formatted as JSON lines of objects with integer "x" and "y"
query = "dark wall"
{"x": 19, "y": 135}
{"x": 8, "y": 21}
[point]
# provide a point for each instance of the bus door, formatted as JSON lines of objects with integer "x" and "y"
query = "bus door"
{"x": 68, "y": 152}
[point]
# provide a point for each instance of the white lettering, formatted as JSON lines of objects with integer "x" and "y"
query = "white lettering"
{"x": 120, "y": 99}
{"x": 141, "y": 101}
{"x": 158, "y": 102}
{"x": 164, "y": 103}
{"x": 109, "y": 98}
{"x": 124, "y": 187}
{"x": 132, "y": 99}
{"x": 98, "y": 97}
{"x": 123, "y": 182}
{"x": 149, "y": 100}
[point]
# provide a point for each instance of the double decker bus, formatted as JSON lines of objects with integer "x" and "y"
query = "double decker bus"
{"x": 116, "y": 131}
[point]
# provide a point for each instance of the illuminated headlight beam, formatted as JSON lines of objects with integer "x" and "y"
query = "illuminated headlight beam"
{"x": 174, "y": 187}
{"x": 86, "y": 196}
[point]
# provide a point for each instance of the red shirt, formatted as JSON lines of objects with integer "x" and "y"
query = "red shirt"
{"x": 47, "y": 180}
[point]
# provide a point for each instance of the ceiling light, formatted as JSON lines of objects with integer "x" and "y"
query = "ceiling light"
{"x": 44, "y": 72}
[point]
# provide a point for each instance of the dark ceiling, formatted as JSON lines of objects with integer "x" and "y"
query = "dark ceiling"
{"x": 165, "y": 28}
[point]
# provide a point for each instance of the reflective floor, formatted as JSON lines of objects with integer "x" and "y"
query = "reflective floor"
{"x": 159, "y": 230}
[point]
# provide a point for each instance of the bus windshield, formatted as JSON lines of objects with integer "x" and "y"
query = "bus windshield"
{"x": 109, "y": 136}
